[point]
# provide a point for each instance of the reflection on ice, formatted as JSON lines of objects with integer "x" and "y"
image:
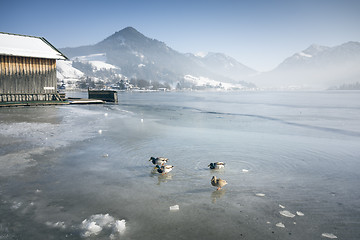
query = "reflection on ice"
{"x": 79, "y": 172}
{"x": 217, "y": 194}
{"x": 163, "y": 178}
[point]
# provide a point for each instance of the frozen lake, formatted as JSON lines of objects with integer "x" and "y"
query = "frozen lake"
{"x": 82, "y": 171}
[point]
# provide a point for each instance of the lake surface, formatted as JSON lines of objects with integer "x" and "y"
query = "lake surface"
{"x": 82, "y": 171}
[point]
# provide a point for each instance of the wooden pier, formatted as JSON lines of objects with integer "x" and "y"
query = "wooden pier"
{"x": 105, "y": 95}
{"x": 84, "y": 101}
{"x": 32, "y": 103}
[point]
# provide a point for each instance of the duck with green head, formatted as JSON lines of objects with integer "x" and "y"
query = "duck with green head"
{"x": 216, "y": 165}
{"x": 158, "y": 160}
{"x": 164, "y": 169}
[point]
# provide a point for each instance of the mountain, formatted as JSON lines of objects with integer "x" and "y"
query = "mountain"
{"x": 128, "y": 54}
{"x": 317, "y": 67}
{"x": 223, "y": 65}
{"x": 134, "y": 55}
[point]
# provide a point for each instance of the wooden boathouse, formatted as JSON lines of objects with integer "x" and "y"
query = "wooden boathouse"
{"x": 27, "y": 69}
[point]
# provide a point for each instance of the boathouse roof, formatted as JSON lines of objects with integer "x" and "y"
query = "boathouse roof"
{"x": 28, "y": 46}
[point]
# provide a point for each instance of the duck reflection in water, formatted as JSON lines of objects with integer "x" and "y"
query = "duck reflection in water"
{"x": 164, "y": 178}
{"x": 217, "y": 194}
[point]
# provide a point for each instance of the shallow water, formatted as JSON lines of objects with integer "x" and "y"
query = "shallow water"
{"x": 292, "y": 167}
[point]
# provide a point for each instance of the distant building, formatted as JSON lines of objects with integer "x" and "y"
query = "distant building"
{"x": 27, "y": 68}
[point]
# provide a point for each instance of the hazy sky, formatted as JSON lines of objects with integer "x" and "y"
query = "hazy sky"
{"x": 257, "y": 33}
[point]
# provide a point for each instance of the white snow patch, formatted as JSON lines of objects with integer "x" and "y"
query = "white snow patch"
{"x": 64, "y": 70}
{"x": 140, "y": 55}
{"x": 92, "y": 57}
{"x": 27, "y": 46}
{"x": 204, "y": 81}
{"x": 201, "y": 54}
{"x": 98, "y": 65}
{"x": 141, "y": 65}
{"x": 302, "y": 54}
{"x": 97, "y": 61}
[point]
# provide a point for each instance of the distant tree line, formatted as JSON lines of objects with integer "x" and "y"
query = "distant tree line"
{"x": 351, "y": 86}
{"x": 87, "y": 82}
{"x": 152, "y": 85}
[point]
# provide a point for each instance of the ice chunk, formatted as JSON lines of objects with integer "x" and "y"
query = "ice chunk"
{"x": 120, "y": 226}
{"x": 281, "y": 206}
{"x": 56, "y": 225}
{"x": 299, "y": 213}
{"x": 245, "y": 170}
{"x": 280, "y": 224}
{"x": 260, "y": 194}
{"x": 100, "y": 131}
{"x": 329, "y": 235}
{"x": 16, "y": 205}
{"x": 174, "y": 208}
{"x": 96, "y": 223}
{"x": 90, "y": 227}
{"x": 286, "y": 213}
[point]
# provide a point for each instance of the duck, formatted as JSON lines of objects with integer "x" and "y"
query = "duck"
{"x": 216, "y": 165}
{"x": 218, "y": 182}
{"x": 158, "y": 160}
{"x": 164, "y": 169}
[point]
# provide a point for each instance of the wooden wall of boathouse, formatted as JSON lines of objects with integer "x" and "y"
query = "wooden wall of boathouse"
{"x": 27, "y": 79}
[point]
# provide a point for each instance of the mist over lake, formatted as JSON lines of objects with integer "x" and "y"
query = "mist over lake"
{"x": 82, "y": 171}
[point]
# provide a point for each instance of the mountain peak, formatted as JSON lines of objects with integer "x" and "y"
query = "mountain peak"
{"x": 128, "y": 36}
{"x": 128, "y": 32}
{"x": 314, "y": 49}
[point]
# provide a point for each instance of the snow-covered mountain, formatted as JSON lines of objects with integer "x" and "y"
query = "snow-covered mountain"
{"x": 223, "y": 65}
{"x": 317, "y": 67}
{"x": 130, "y": 54}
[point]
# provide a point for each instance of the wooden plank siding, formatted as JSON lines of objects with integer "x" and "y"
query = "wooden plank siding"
{"x": 25, "y": 75}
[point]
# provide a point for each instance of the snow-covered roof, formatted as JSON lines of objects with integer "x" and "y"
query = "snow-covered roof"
{"x": 28, "y": 46}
